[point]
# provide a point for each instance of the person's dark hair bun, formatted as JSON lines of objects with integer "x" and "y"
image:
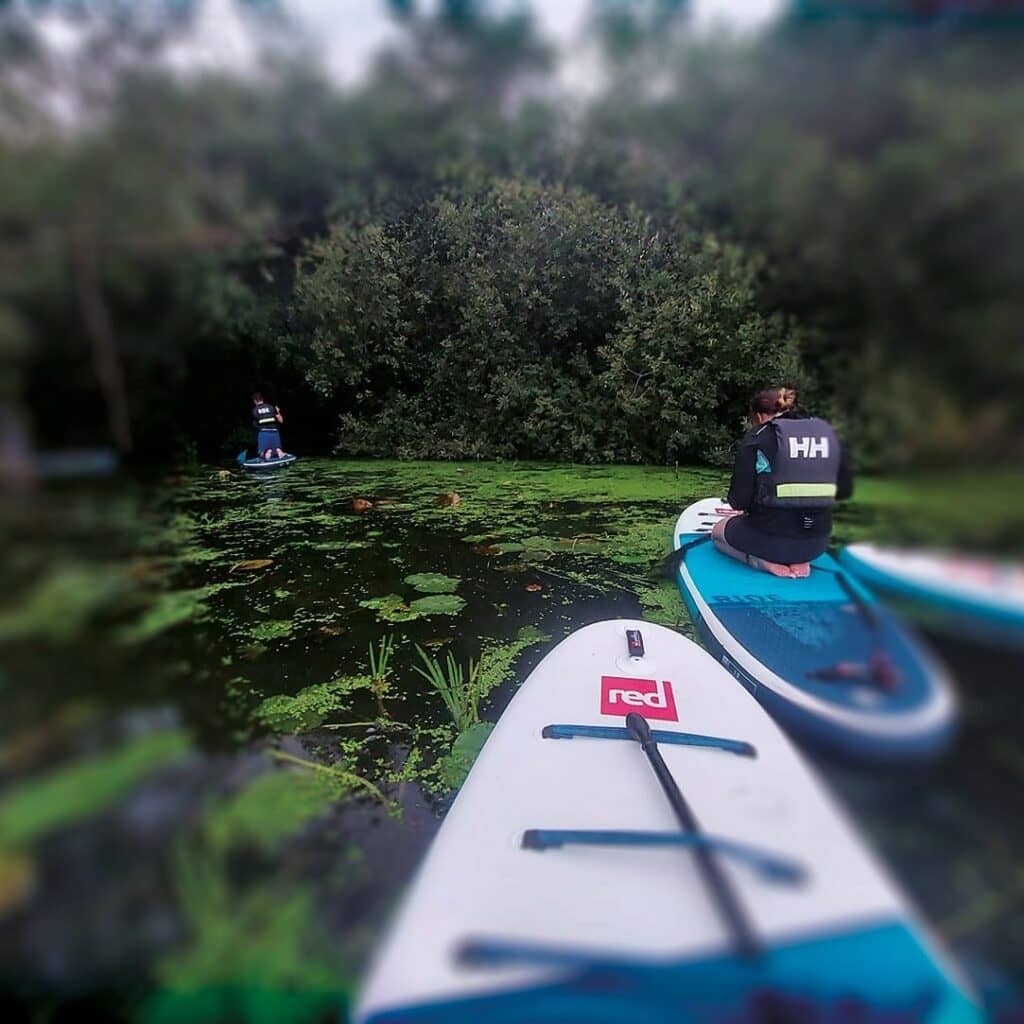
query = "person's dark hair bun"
{"x": 773, "y": 400}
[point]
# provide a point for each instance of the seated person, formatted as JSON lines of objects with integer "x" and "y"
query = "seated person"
{"x": 790, "y": 470}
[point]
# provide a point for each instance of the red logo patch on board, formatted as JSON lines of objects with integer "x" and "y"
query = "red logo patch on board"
{"x": 648, "y": 697}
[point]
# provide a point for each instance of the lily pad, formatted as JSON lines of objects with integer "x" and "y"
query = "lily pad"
{"x": 433, "y": 583}
{"x": 455, "y": 766}
{"x": 391, "y": 608}
{"x": 438, "y": 604}
{"x": 508, "y": 548}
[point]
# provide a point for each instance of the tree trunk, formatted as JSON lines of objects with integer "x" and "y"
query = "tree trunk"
{"x": 106, "y": 360}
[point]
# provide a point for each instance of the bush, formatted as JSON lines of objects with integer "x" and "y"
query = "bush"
{"x": 518, "y": 320}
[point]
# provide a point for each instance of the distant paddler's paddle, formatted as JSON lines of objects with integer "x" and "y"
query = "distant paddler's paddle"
{"x": 722, "y": 892}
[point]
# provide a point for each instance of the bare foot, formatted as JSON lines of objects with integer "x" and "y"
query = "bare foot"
{"x": 800, "y": 571}
{"x": 772, "y": 567}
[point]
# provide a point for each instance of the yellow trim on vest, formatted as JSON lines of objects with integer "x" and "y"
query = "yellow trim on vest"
{"x": 806, "y": 491}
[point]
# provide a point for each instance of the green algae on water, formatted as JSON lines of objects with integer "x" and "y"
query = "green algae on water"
{"x": 664, "y": 604}
{"x": 274, "y": 629}
{"x": 497, "y": 659}
{"x": 311, "y": 706}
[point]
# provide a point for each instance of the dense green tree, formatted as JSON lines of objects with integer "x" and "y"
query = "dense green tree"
{"x": 860, "y": 178}
{"x": 522, "y": 320}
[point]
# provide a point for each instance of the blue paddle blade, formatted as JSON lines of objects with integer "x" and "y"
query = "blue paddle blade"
{"x": 242, "y": 456}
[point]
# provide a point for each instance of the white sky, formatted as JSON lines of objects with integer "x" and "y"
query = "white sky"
{"x": 350, "y": 31}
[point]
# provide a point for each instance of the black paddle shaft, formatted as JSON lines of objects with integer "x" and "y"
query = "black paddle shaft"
{"x": 744, "y": 939}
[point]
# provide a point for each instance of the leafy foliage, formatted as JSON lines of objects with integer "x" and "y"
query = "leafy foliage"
{"x": 269, "y": 809}
{"x": 519, "y": 302}
{"x": 256, "y": 954}
{"x": 72, "y": 792}
{"x": 459, "y": 690}
{"x": 483, "y": 273}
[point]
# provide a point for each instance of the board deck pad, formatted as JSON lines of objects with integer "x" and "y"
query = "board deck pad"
{"x": 808, "y": 649}
{"x": 613, "y": 930}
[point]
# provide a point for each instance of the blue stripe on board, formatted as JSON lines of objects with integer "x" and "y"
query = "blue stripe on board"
{"x": 770, "y": 866}
{"x": 682, "y": 739}
{"x": 966, "y": 608}
{"x": 884, "y": 968}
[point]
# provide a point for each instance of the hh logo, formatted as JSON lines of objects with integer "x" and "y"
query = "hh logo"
{"x": 650, "y": 698}
{"x": 808, "y": 447}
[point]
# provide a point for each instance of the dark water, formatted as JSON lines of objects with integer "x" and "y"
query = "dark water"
{"x": 157, "y": 620}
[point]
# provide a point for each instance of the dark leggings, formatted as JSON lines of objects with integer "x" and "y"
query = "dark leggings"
{"x": 739, "y": 534}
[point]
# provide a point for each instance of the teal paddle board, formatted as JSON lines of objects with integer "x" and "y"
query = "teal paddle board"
{"x": 258, "y": 464}
{"x": 979, "y": 596}
{"x": 822, "y": 655}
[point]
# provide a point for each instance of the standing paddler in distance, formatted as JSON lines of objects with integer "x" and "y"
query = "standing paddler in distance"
{"x": 790, "y": 470}
{"x": 265, "y": 418}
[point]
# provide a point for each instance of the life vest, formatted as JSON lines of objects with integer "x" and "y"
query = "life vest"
{"x": 264, "y": 416}
{"x": 805, "y": 468}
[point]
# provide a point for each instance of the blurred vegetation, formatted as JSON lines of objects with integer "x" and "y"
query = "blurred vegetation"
{"x": 459, "y": 258}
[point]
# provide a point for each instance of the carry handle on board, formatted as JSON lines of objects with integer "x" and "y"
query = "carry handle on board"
{"x": 729, "y": 906}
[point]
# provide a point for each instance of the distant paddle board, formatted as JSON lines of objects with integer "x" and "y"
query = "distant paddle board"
{"x": 261, "y": 464}
{"x": 821, "y": 654}
{"x": 561, "y": 888}
{"x": 982, "y": 596}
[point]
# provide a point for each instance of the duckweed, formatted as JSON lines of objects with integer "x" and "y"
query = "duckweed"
{"x": 311, "y": 706}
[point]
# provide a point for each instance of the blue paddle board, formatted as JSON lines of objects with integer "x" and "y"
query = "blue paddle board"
{"x": 981, "y": 597}
{"x": 821, "y": 654}
{"x": 260, "y": 464}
